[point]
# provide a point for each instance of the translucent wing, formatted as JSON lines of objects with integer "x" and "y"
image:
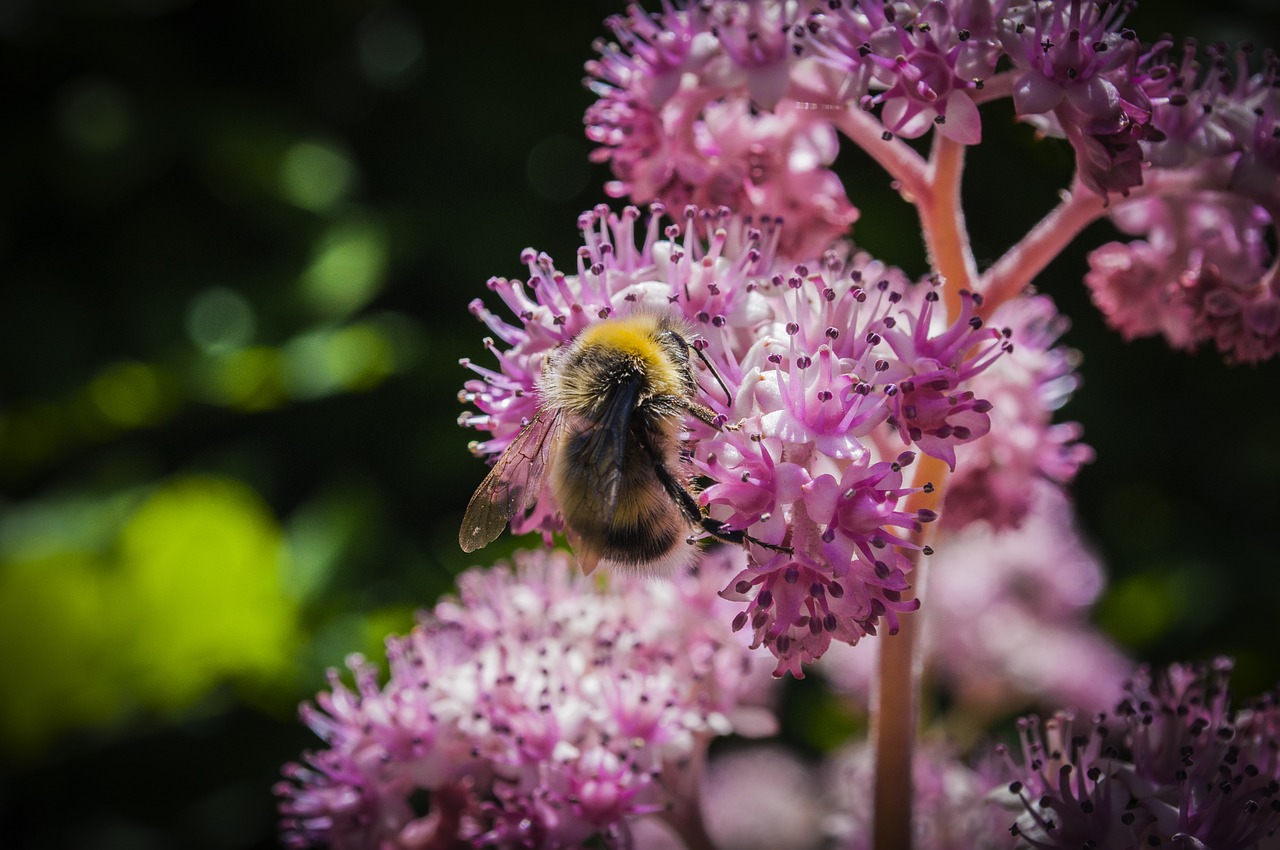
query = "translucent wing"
{"x": 513, "y": 485}
{"x": 595, "y": 457}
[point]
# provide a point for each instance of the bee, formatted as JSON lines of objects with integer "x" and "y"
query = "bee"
{"x": 607, "y": 442}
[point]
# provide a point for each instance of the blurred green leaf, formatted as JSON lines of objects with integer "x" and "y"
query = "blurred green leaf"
{"x": 185, "y": 595}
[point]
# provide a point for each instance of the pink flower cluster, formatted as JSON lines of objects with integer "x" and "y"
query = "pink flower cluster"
{"x": 739, "y": 103}
{"x": 1007, "y": 617}
{"x": 999, "y": 477}
{"x": 703, "y": 105}
{"x": 1173, "y": 766}
{"x": 535, "y": 710}
{"x": 1205, "y": 271}
{"x": 836, "y": 371}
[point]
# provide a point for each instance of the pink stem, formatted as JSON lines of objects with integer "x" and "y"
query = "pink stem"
{"x": 906, "y": 167}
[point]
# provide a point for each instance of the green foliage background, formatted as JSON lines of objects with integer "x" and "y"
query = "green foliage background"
{"x": 237, "y": 242}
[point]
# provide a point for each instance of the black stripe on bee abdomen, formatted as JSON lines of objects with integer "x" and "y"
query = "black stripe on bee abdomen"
{"x": 647, "y": 536}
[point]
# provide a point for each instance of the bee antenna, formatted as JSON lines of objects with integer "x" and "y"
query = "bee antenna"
{"x": 703, "y": 357}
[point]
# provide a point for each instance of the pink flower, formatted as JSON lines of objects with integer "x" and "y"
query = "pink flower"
{"x": 834, "y": 368}
{"x": 1204, "y": 273}
{"x": 998, "y": 475}
{"x": 699, "y": 106}
{"x": 1006, "y": 621}
{"x": 1077, "y": 77}
{"x": 534, "y": 710}
{"x": 1174, "y": 766}
{"x": 950, "y": 808}
{"x": 920, "y": 61}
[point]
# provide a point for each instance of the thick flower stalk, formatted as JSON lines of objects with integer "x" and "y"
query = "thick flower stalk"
{"x": 1173, "y": 766}
{"x": 837, "y": 373}
{"x": 952, "y": 812}
{"x": 534, "y": 710}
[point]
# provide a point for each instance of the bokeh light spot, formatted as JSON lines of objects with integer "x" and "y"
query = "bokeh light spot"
{"x": 1139, "y": 609}
{"x": 203, "y": 559}
{"x": 127, "y": 395}
{"x": 220, "y": 320}
{"x": 94, "y": 116}
{"x": 347, "y": 269}
{"x": 248, "y": 379}
{"x": 390, "y": 48}
{"x": 328, "y": 361}
{"x": 304, "y": 366}
{"x": 316, "y": 175}
{"x": 360, "y": 357}
{"x": 184, "y": 592}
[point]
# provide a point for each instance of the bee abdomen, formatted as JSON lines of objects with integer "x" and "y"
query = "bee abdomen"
{"x": 647, "y": 534}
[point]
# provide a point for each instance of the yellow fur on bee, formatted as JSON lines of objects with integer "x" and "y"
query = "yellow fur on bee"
{"x": 636, "y": 336}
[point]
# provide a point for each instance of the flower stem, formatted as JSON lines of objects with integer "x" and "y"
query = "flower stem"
{"x": 893, "y": 729}
{"x": 895, "y": 707}
{"x": 942, "y": 221}
{"x": 896, "y": 702}
{"x": 1080, "y": 206}
{"x": 904, "y": 165}
{"x": 1013, "y": 272}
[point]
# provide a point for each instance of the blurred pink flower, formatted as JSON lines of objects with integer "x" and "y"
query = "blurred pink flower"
{"x": 1173, "y": 766}
{"x": 536, "y": 709}
{"x": 1006, "y": 618}
{"x": 998, "y": 476}
{"x": 950, "y": 808}
{"x": 1204, "y": 273}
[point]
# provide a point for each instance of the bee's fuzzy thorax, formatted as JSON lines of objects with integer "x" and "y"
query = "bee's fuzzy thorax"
{"x": 612, "y": 348}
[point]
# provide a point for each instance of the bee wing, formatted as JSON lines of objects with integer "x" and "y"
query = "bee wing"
{"x": 597, "y": 454}
{"x": 513, "y": 485}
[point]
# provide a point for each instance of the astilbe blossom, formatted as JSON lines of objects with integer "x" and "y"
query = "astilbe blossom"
{"x": 1204, "y": 271}
{"x": 691, "y": 110}
{"x": 921, "y": 62}
{"x": 999, "y": 476}
{"x": 837, "y": 372}
{"x": 1172, "y": 766}
{"x": 534, "y": 710}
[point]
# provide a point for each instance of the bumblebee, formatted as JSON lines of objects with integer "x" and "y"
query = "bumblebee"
{"x": 606, "y": 441}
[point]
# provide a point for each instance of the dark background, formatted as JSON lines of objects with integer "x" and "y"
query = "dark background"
{"x": 237, "y": 242}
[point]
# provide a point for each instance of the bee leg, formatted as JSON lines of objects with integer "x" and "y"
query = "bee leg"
{"x": 720, "y": 531}
{"x": 693, "y": 512}
{"x": 703, "y": 413}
